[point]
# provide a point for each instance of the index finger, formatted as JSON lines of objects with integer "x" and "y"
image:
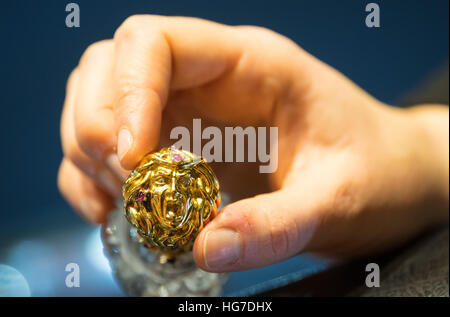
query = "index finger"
{"x": 153, "y": 56}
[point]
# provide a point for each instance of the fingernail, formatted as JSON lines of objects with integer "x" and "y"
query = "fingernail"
{"x": 124, "y": 141}
{"x": 222, "y": 247}
{"x": 114, "y": 164}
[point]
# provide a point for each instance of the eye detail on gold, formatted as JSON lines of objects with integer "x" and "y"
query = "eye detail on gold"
{"x": 169, "y": 198}
{"x": 160, "y": 181}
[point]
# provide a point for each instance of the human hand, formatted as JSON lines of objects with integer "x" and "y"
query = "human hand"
{"x": 354, "y": 175}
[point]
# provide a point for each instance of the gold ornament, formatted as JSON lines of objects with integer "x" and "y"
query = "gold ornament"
{"x": 169, "y": 198}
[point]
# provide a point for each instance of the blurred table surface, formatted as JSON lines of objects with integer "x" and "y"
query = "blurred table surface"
{"x": 420, "y": 268}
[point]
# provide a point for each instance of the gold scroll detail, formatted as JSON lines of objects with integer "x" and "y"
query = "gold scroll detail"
{"x": 169, "y": 198}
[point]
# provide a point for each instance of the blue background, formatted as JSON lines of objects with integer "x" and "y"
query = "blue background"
{"x": 38, "y": 52}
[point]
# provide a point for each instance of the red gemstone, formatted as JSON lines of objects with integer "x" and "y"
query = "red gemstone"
{"x": 177, "y": 157}
{"x": 141, "y": 197}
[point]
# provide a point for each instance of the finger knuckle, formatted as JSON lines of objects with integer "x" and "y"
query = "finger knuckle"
{"x": 92, "y": 138}
{"x": 278, "y": 236}
{"x": 132, "y": 96}
{"x": 73, "y": 155}
{"x": 131, "y": 26}
{"x": 128, "y": 85}
{"x": 72, "y": 78}
{"x": 94, "y": 51}
{"x": 272, "y": 229}
{"x": 268, "y": 38}
{"x": 71, "y": 150}
{"x": 61, "y": 176}
{"x": 257, "y": 30}
{"x": 129, "y": 96}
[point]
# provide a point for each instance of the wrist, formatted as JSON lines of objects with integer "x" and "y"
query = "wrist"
{"x": 432, "y": 123}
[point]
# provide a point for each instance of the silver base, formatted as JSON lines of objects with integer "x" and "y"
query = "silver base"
{"x": 141, "y": 272}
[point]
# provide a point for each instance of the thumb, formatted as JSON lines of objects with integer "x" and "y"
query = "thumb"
{"x": 254, "y": 232}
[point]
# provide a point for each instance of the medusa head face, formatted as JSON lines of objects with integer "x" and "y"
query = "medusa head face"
{"x": 169, "y": 197}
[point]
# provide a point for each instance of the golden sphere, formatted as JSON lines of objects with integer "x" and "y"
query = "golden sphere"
{"x": 169, "y": 198}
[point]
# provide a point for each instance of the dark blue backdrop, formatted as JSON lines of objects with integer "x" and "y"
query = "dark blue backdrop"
{"x": 38, "y": 51}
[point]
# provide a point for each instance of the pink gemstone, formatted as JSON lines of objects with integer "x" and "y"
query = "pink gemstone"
{"x": 177, "y": 157}
{"x": 141, "y": 197}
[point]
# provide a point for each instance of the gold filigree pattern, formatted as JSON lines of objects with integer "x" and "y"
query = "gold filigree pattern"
{"x": 169, "y": 198}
